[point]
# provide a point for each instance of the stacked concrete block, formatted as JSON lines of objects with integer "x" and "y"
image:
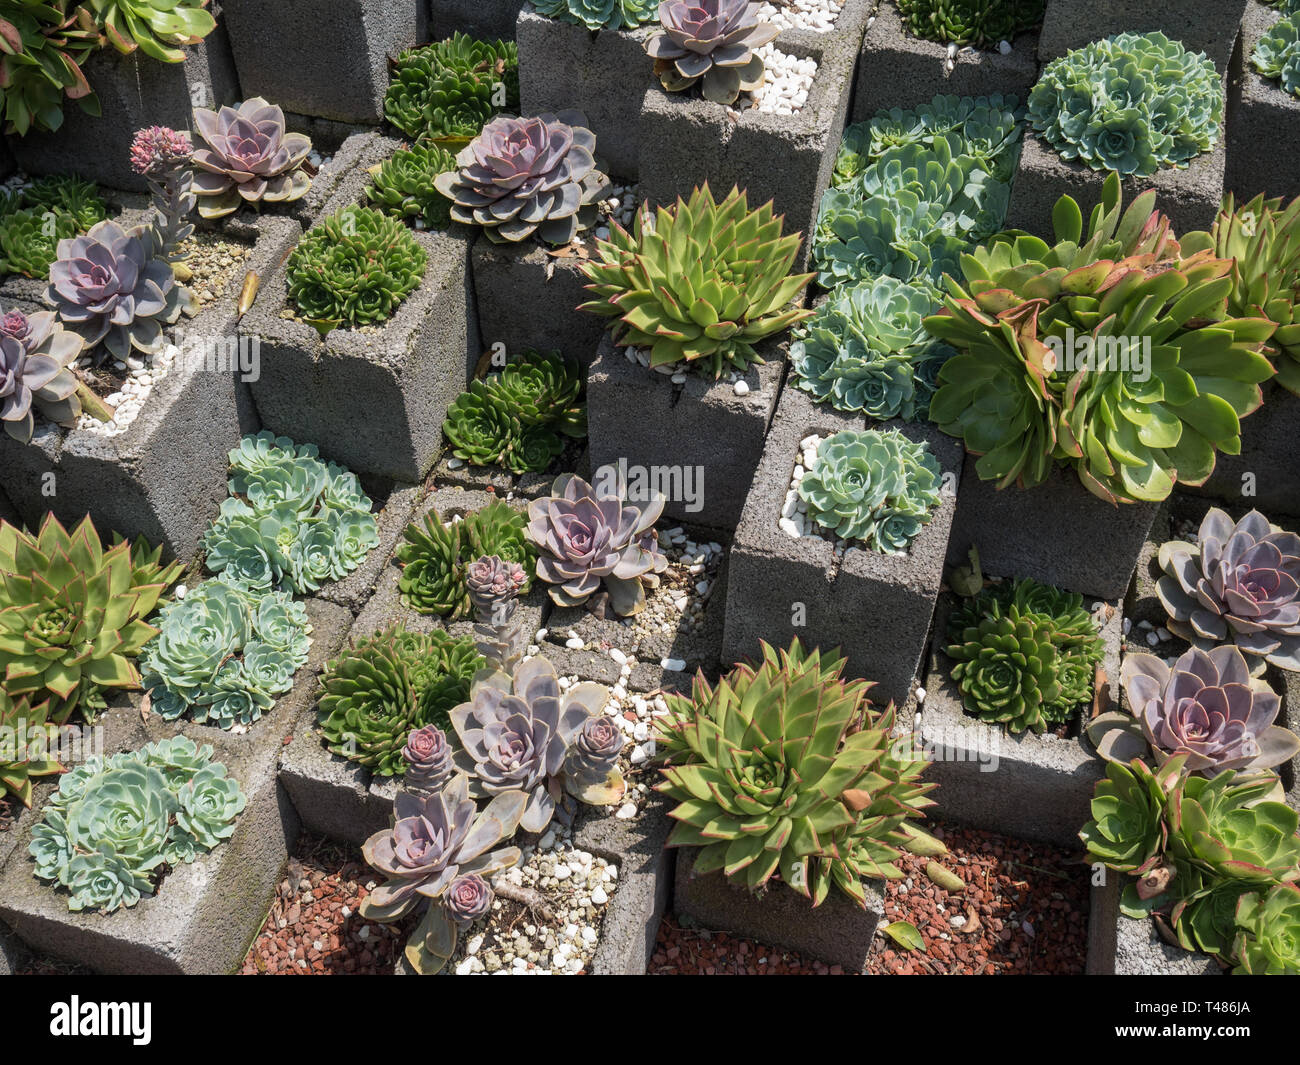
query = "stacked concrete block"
{"x": 1263, "y": 120}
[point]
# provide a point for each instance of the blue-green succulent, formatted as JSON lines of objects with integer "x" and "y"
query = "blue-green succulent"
{"x": 600, "y": 14}
{"x": 1277, "y": 55}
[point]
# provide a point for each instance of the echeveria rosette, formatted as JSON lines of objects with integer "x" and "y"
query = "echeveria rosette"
{"x": 1239, "y": 584}
{"x": 591, "y": 771}
{"x": 494, "y": 585}
{"x": 600, "y": 14}
{"x": 250, "y": 158}
{"x": 1277, "y": 53}
{"x": 980, "y": 23}
{"x": 37, "y": 374}
{"x": 1128, "y": 831}
{"x": 158, "y": 28}
{"x": 712, "y": 43}
{"x": 468, "y": 899}
{"x": 207, "y": 805}
{"x": 428, "y": 758}
{"x": 1268, "y": 932}
{"x": 592, "y": 538}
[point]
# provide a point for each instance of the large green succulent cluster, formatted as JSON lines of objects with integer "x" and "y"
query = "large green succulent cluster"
{"x": 114, "y": 824}
{"x": 72, "y": 613}
{"x": 982, "y": 23}
{"x": 703, "y": 283}
{"x": 873, "y": 486}
{"x": 36, "y": 218}
{"x": 402, "y": 185}
{"x": 355, "y": 268}
{"x": 292, "y": 522}
{"x": 1210, "y": 854}
{"x": 1277, "y": 54}
{"x": 866, "y": 349}
{"x": 600, "y": 14}
{"x": 1026, "y": 654}
{"x": 384, "y": 687}
{"x": 434, "y": 556}
{"x": 519, "y": 417}
{"x": 1131, "y": 103}
{"x": 448, "y": 91}
{"x": 1115, "y": 354}
{"x": 783, "y": 769}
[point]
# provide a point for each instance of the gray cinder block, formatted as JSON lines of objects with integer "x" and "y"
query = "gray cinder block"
{"x": 1122, "y": 946}
{"x": 876, "y": 608}
{"x": 322, "y": 57}
{"x": 1263, "y": 120}
{"x": 484, "y": 19}
{"x": 1208, "y": 26}
{"x": 638, "y": 418}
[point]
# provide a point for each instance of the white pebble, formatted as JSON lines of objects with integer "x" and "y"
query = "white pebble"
{"x": 673, "y": 665}
{"x": 626, "y": 812}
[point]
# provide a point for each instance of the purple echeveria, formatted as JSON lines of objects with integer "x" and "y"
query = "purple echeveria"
{"x": 591, "y": 769}
{"x": 468, "y": 899}
{"x": 249, "y": 157}
{"x": 36, "y": 356}
{"x": 711, "y": 42}
{"x": 494, "y": 583}
{"x": 428, "y": 759}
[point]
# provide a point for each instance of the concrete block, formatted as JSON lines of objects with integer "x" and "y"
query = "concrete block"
{"x": 1208, "y": 26}
{"x": 1263, "y": 120}
{"x": 165, "y": 475}
{"x": 896, "y": 69}
{"x": 323, "y": 57}
{"x": 563, "y": 65}
{"x": 485, "y": 19}
{"x": 838, "y": 931}
{"x": 699, "y": 428}
{"x": 876, "y": 608}
{"x": 1122, "y": 946}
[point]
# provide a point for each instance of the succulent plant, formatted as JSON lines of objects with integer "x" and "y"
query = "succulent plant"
{"x": 600, "y": 14}
{"x": 981, "y": 23}
{"x": 437, "y": 840}
{"x": 877, "y": 487}
{"x": 70, "y": 195}
{"x": 703, "y": 284}
{"x": 468, "y": 899}
{"x": 449, "y": 90}
{"x": 385, "y": 686}
{"x": 402, "y": 185}
{"x": 72, "y": 613}
{"x": 499, "y": 633}
{"x": 42, "y": 46}
{"x": 113, "y": 822}
{"x": 250, "y": 158}
{"x": 541, "y": 388}
{"x": 1130, "y": 103}
{"x": 428, "y": 758}
{"x": 37, "y": 375}
{"x": 163, "y": 157}
{"x": 1128, "y": 831}
{"x": 354, "y": 268}
{"x": 515, "y": 734}
{"x": 1268, "y": 940}
{"x": 1277, "y": 52}
{"x": 712, "y": 43}
{"x": 159, "y": 28}
{"x": 29, "y": 240}
{"x": 434, "y": 557}
{"x": 28, "y": 746}
{"x": 1238, "y": 584}
{"x": 1165, "y": 376}
{"x": 1227, "y": 826}
{"x": 591, "y": 771}
{"x": 784, "y": 769}
{"x": 593, "y": 539}
{"x": 528, "y": 177}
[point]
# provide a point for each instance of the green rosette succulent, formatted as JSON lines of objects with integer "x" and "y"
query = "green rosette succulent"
{"x": 29, "y": 240}
{"x": 448, "y": 91}
{"x": 70, "y": 195}
{"x": 28, "y": 745}
{"x": 388, "y": 685}
{"x": 981, "y": 23}
{"x": 158, "y": 28}
{"x": 1268, "y": 938}
{"x": 1225, "y": 825}
{"x": 354, "y": 268}
{"x": 876, "y": 487}
{"x": 1128, "y": 832}
{"x": 542, "y": 388}
{"x": 1277, "y": 53}
{"x": 600, "y": 14}
{"x": 1205, "y": 916}
{"x": 481, "y": 429}
{"x": 402, "y": 185}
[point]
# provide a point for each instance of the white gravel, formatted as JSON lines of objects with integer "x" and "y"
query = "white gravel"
{"x": 143, "y": 373}
{"x": 816, "y": 15}
{"x": 789, "y": 79}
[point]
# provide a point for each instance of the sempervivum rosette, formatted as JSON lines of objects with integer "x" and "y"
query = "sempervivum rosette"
{"x": 249, "y": 157}
{"x": 525, "y": 177}
{"x": 711, "y": 42}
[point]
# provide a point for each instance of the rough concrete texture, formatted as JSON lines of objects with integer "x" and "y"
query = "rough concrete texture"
{"x": 453, "y": 472}
{"x": 563, "y": 65}
{"x": 897, "y": 69}
{"x": 1122, "y": 946}
{"x": 527, "y": 299}
{"x": 1190, "y": 197}
{"x": 1263, "y": 120}
{"x": 1059, "y": 532}
{"x": 645, "y": 883}
{"x": 485, "y": 19}
{"x": 838, "y": 931}
{"x": 1287, "y": 683}
{"x": 323, "y": 57}
{"x": 876, "y": 608}
{"x": 165, "y": 476}
{"x": 701, "y": 428}
{"x": 1028, "y": 786}
{"x": 394, "y": 511}
{"x": 134, "y": 92}
{"x": 204, "y": 915}
{"x": 349, "y": 158}
{"x": 1208, "y": 26}
{"x": 1140, "y": 602}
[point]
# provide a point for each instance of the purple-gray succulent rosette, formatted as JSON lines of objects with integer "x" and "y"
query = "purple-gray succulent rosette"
{"x": 249, "y": 158}
{"x": 711, "y": 42}
{"x": 591, "y": 769}
{"x": 36, "y": 375}
{"x": 494, "y": 585}
{"x": 428, "y": 758}
{"x": 468, "y": 899}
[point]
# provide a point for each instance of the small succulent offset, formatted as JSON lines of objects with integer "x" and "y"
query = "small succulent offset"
{"x": 784, "y": 769}
{"x": 446, "y": 92}
{"x": 1131, "y": 103}
{"x": 703, "y": 284}
{"x": 43, "y": 44}
{"x": 710, "y": 42}
{"x": 249, "y": 158}
{"x": 428, "y": 758}
{"x": 600, "y": 14}
{"x": 354, "y": 268}
{"x": 596, "y": 546}
{"x": 37, "y": 372}
{"x": 981, "y": 23}
{"x": 403, "y": 185}
{"x": 114, "y": 822}
{"x": 528, "y": 177}
{"x": 873, "y": 486}
{"x": 69, "y": 194}
{"x": 389, "y": 685}
{"x": 436, "y": 842}
{"x": 1277, "y": 53}
{"x": 159, "y": 28}
{"x": 72, "y": 612}
{"x": 1268, "y": 932}
{"x": 494, "y": 586}
{"x": 1238, "y": 584}
{"x": 29, "y": 744}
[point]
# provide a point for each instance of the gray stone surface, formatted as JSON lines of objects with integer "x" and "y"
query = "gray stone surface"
{"x": 1190, "y": 197}
{"x": 485, "y": 19}
{"x": 323, "y": 57}
{"x": 351, "y": 150}
{"x": 1263, "y": 120}
{"x": 1058, "y": 532}
{"x": 875, "y": 607}
{"x": 1208, "y": 26}
{"x": 637, "y": 417}
{"x": 528, "y": 299}
{"x": 563, "y": 65}
{"x": 395, "y": 509}
{"x": 838, "y": 931}
{"x": 165, "y": 476}
{"x": 1028, "y": 786}
{"x": 897, "y": 69}
{"x": 1122, "y": 946}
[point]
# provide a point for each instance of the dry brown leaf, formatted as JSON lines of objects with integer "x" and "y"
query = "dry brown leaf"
{"x": 145, "y": 702}
{"x": 1101, "y": 700}
{"x": 972, "y": 921}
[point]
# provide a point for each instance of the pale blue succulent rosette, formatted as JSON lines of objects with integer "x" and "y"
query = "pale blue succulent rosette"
{"x": 1277, "y": 54}
{"x": 600, "y": 14}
